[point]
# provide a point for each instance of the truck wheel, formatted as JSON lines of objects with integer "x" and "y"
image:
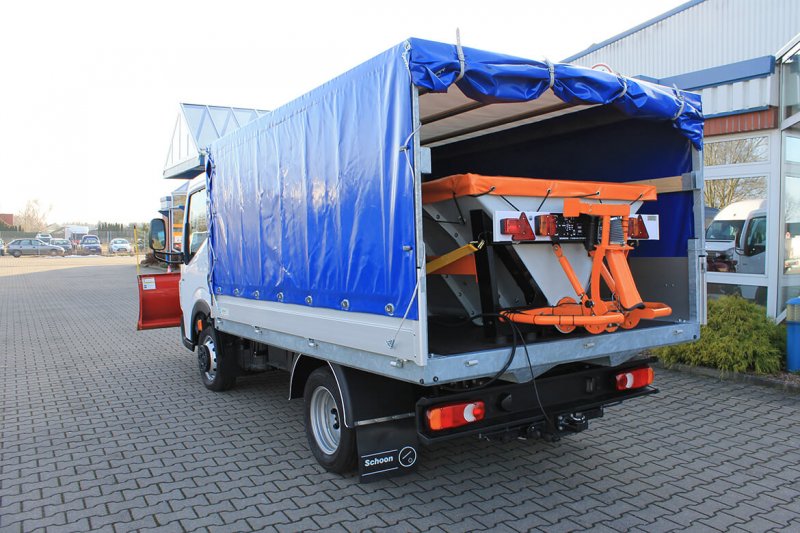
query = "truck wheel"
{"x": 216, "y": 370}
{"x": 333, "y": 444}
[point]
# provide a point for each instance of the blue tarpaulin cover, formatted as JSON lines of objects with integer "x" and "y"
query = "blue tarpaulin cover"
{"x": 313, "y": 204}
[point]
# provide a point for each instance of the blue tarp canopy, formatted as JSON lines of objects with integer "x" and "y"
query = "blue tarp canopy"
{"x": 313, "y": 204}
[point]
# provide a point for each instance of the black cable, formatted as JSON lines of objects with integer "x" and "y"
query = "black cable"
{"x": 509, "y": 202}
{"x": 533, "y": 378}
{"x": 508, "y": 362}
{"x": 546, "y": 196}
{"x": 515, "y": 332}
{"x": 458, "y": 207}
{"x": 491, "y": 190}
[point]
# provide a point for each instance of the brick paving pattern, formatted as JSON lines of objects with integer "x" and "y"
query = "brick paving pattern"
{"x": 109, "y": 429}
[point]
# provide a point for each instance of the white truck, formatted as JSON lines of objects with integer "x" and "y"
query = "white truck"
{"x": 443, "y": 242}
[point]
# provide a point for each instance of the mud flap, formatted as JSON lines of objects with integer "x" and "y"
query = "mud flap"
{"x": 387, "y": 449}
{"x": 159, "y": 301}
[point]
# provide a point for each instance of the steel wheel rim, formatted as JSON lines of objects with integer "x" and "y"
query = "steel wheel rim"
{"x": 211, "y": 373}
{"x": 325, "y": 422}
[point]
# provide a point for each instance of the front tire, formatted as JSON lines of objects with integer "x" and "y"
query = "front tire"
{"x": 217, "y": 370}
{"x": 332, "y": 443}
{"x": 16, "y": 253}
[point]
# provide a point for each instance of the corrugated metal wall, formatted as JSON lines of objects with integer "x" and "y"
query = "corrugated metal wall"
{"x": 750, "y": 94}
{"x": 713, "y": 33}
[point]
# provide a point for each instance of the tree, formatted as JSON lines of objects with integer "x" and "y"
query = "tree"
{"x": 33, "y": 217}
{"x": 720, "y": 193}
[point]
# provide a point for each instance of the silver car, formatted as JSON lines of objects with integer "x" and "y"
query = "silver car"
{"x": 117, "y": 246}
{"x": 20, "y": 247}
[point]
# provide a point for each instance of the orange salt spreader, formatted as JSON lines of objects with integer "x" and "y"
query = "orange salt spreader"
{"x": 568, "y": 234}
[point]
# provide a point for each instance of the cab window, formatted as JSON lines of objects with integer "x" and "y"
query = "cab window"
{"x": 756, "y": 242}
{"x": 197, "y": 227}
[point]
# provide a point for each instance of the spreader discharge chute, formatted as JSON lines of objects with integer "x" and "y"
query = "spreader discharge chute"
{"x": 567, "y": 235}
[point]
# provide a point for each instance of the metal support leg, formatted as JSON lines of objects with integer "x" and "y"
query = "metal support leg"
{"x": 484, "y": 267}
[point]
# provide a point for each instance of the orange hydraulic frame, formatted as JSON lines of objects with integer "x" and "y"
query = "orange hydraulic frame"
{"x": 609, "y": 262}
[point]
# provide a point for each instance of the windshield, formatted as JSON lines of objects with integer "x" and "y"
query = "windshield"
{"x": 724, "y": 230}
{"x": 90, "y": 240}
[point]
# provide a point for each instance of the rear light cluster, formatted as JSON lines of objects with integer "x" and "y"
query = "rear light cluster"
{"x": 547, "y": 225}
{"x": 519, "y": 228}
{"x": 635, "y": 379}
{"x": 455, "y": 415}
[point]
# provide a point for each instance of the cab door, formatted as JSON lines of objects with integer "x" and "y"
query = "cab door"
{"x": 753, "y": 254}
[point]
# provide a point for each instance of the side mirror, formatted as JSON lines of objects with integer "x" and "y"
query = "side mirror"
{"x": 158, "y": 235}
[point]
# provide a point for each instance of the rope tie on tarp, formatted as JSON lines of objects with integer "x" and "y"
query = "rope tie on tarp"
{"x": 460, "y": 53}
{"x": 681, "y": 99}
{"x": 551, "y": 68}
{"x": 624, "y": 87}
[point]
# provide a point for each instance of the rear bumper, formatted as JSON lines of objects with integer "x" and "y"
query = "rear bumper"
{"x": 551, "y": 406}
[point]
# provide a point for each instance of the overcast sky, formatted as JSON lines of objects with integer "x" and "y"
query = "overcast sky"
{"x": 90, "y": 90}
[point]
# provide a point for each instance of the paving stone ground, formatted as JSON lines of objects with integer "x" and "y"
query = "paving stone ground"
{"x": 109, "y": 429}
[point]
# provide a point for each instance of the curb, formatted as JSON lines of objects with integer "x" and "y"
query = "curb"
{"x": 772, "y": 382}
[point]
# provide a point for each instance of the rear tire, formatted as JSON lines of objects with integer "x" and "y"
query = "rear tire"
{"x": 217, "y": 370}
{"x": 332, "y": 443}
{"x": 53, "y": 252}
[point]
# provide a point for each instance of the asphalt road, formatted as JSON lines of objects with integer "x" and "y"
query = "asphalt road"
{"x": 109, "y": 429}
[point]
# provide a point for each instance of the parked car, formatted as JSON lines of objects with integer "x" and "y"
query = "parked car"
{"x": 117, "y": 246}
{"x": 64, "y": 243}
{"x": 2, "y": 247}
{"x": 20, "y": 247}
{"x": 90, "y": 244}
{"x": 44, "y": 237}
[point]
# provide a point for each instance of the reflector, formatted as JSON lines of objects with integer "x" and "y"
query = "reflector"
{"x": 637, "y": 229}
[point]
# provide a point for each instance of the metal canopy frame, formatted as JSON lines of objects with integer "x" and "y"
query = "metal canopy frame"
{"x": 197, "y": 126}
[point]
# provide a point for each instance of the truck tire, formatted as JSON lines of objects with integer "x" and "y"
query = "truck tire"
{"x": 333, "y": 444}
{"x": 217, "y": 371}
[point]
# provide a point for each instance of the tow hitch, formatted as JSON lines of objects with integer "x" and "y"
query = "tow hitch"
{"x": 573, "y": 422}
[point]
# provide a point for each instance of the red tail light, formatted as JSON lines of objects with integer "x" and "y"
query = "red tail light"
{"x": 635, "y": 379}
{"x": 637, "y": 229}
{"x": 546, "y": 225}
{"x": 453, "y": 416}
{"x": 519, "y": 228}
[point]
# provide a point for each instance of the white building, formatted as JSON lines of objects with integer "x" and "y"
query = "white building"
{"x": 743, "y": 57}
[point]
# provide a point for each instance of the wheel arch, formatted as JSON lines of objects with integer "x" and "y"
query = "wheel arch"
{"x": 302, "y": 368}
{"x": 200, "y": 308}
{"x": 357, "y": 390}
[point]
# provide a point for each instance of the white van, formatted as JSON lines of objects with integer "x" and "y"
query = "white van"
{"x": 736, "y": 240}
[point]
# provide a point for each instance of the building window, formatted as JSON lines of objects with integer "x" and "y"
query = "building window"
{"x": 790, "y": 84}
{"x": 736, "y": 152}
{"x": 754, "y": 293}
{"x": 789, "y": 279}
{"x": 736, "y": 224}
